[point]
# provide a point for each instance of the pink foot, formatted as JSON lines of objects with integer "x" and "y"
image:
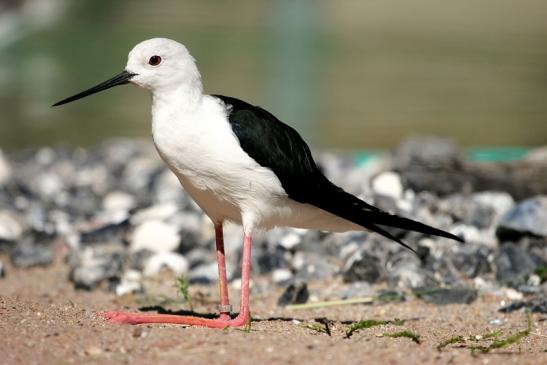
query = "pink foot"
{"x": 118, "y": 317}
{"x": 140, "y": 318}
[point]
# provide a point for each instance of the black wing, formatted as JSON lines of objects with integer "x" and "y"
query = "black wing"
{"x": 277, "y": 146}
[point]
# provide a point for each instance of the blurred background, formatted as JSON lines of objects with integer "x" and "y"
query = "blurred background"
{"x": 347, "y": 74}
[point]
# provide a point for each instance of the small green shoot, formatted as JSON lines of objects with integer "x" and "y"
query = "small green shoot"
{"x": 317, "y": 327}
{"x": 496, "y": 344}
{"x": 542, "y": 273}
{"x": 368, "y": 323}
{"x": 183, "y": 285}
{"x": 509, "y": 340}
{"x": 450, "y": 341}
{"x": 413, "y": 336}
{"x": 491, "y": 335}
{"x": 248, "y": 324}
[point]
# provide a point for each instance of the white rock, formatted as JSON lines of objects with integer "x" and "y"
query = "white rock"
{"x": 156, "y": 212}
{"x": 132, "y": 275}
{"x": 469, "y": 233}
{"x": 534, "y": 280}
{"x": 130, "y": 283}
{"x": 128, "y": 287}
{"x": 11, "y": 226}
{"x": 166, "y": 260}
{"x": 49, "y": 184}
{"x": 155, "y": 236}
{"x": 484, "y": 286}
{"x": 207, "y": 273}
{"x": 501, "y": 202}
{"x": 290, "y": 240}
{"x": 281, "y": 275}
{"x": 512, "y": 294}
{"x": 388, "y": 183}
{"x": 119, "y": 201}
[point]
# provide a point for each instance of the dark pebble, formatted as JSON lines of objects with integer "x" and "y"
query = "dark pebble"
{"x": 536, "y": 305}
{"x": 29, "y": 254}
{"x": 363, "y": 267}
{"x": 442, "y": 296}
{"x": 296, "y": 293}
{"x": 527, "y": 218}
{"x": 91, "y": 272}
{"x": 513, "y": 265}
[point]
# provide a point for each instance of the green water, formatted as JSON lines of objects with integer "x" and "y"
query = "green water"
{"x": 346, "y": 74}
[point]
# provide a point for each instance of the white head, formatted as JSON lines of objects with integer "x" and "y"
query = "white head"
{"x": 160, "y": 65}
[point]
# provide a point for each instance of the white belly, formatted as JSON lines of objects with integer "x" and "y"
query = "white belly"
{"x": 223, "y": 180}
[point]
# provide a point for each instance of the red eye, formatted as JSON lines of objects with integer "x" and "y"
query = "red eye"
{"x": 154, "y": 60}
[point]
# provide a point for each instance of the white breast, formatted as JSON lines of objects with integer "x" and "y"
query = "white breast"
{"x": 201, "y": 149}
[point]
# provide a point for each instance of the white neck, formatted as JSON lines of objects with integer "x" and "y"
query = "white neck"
{"x": 184, "y": 95}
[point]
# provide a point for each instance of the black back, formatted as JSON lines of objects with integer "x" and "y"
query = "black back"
{"x": 277, "y": 146}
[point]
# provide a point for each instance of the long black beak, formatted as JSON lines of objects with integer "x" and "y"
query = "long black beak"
{"x": 120, "y": 79}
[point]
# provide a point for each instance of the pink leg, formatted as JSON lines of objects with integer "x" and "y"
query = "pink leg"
{"x": 225, "y": 307}
{"x": 240, "y": 320}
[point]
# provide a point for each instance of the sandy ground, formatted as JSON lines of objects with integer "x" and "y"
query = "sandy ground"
{"x": 45, "y": 321}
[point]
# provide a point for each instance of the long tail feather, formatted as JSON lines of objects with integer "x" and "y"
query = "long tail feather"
{"x": 336, "y": 201}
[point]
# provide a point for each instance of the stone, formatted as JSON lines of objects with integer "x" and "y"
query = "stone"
{"x": 357, "y": 289}
{"x": 529, "y": 217}
{"x": 156, "y": 236}
{"x": 474, "y": 260}
{"x": 389, "y": 295}
{"x": 388, "y": 183}
{"x": 429, "y": 164}
{"x": 499, "y": 201}
{"x": 312, "y": 265}
{"x": 362, "y": 267}
{"x": 90, "y": 267}
{"x": 48, "y": 185}
{"x": 534, "y": 305}
{"x": 443, "y": 296}
{"x": 155, "y": 212}
{"x": 387, "y": 203}
{"x": 101, "y": 232}
{"x": 206, "y": 274}
{"x": 270, "y": 259}
{"x": 166, "y": 260}
{"x": 404, "y": 270}
{"x": 290, "y": 241}
{"x": 137, "y": 259}
{"x": 29, "y": 254}
{"x": 116, "y": 201}
{"x": 130, "y": 283}
{"x": 281, "y": 276}
{"x": 12, "y": 226}
{"x": 513, "y": 265}
{"x": 296, "y": 293}
{"x": 199, "y": 256}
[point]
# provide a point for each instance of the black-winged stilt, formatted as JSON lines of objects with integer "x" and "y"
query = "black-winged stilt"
{"x": 239, "y": 163}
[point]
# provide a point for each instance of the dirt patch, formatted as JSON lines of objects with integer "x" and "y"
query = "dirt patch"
{"x": 45, "y": 321}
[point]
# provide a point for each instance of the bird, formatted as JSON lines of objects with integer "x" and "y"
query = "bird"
{"x": 239, "y": 163}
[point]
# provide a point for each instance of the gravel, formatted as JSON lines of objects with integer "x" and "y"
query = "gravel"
{"x": 122, "y": 216}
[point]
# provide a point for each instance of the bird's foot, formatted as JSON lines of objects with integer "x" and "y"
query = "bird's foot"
{"x": 140, "y": 318}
